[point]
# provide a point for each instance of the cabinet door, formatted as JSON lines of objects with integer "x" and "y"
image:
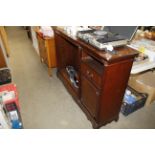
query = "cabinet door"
{"x": 89, "y": 96}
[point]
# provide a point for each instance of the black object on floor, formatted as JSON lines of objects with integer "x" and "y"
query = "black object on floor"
{"x": 5, "y": 76}
{"x": 73, "y": 76}
{"x": 128, "y": 108}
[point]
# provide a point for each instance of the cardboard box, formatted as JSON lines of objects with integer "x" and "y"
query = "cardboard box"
{"x": 144, "y": 83}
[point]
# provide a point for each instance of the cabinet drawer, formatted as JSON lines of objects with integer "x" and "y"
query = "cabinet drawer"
{"x": 93, "y": 76}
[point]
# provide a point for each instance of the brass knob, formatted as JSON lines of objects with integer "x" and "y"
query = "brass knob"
{"x": 91, "y": 75}
{"x": 88, "y": 73}
{"x": 97, "y": 93}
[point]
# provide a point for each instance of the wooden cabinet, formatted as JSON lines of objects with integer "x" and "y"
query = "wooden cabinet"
{"x": 103, "y": 77}
{"x": 2, "y": 59}
{"x": 4, "y": 49}
{"x": 4, "y": 39}
{"x": 47, "y": 52}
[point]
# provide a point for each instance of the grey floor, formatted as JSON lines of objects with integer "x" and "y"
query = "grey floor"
{"x": 45, "y": 103}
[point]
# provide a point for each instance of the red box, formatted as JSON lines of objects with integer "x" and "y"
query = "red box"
{"x": 11, "y": 87}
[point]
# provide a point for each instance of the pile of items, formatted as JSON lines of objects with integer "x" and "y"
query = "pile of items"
{"x": 9, "y": 104}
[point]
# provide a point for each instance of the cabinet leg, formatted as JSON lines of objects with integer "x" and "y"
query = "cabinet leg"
{"x": 49, "y": 71}
{"x": 95, "y": 125}
{"x": 41, "y": 60}
{"x": 116, "y": 119}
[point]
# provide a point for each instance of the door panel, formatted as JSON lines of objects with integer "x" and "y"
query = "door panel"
{"x": 90, "y": 96}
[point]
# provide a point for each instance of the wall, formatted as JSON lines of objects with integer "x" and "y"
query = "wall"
{"x": 34, "y": 39}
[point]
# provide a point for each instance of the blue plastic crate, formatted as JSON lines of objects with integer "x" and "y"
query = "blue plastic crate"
{"x": 128, "y": 108}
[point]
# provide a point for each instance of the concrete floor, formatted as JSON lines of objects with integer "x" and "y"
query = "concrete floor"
{"x": 45, "y": 103}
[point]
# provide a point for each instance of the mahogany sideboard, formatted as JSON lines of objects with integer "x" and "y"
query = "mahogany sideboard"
{"x": 102, "y": 76}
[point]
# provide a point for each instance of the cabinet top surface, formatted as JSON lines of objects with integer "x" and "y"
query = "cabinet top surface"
{"x": 122, "y": 53}
{"x": 43, "y": 37}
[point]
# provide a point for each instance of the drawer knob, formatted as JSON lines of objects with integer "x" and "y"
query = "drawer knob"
{"x": 91, "y": 75}
{"x": 88, "y": 73}
{"x": 97, "y": 93}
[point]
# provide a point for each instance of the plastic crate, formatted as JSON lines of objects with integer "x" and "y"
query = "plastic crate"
{"x": 11, "y": 87}
{"x": 13, "y": 115}
{"x": 5, "y": 76}
{"x": 127, "y": 108}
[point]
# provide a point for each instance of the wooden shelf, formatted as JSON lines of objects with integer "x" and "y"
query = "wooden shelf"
{"x": 65, "y": 75}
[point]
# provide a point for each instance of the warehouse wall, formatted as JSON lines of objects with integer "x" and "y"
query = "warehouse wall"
{"x": 34, "y": 39}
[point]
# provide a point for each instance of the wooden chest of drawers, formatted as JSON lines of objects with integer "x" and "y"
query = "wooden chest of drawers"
{"x": 47, "y": 52}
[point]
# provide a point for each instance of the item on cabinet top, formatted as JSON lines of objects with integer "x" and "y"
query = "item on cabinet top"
{"x": 113, "y": 35}
{"x": 47, "y": 31}
{"x": 73, "y": 30}
{"x": 110, "y": 49}
{"x": 96, "y": 27}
